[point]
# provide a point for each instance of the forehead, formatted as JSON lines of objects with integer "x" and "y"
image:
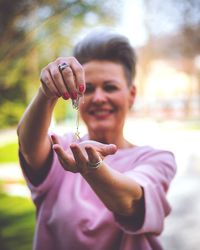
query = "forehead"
{"x": 103, "y": 69}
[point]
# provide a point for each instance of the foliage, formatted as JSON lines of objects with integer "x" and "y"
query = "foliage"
{"x": 10, "y": 113}
{"x": 34, "y": 33}
{"x": 8, "y": 153}
{"x": 62, "y": 110}
{"x": 17, "y": 221}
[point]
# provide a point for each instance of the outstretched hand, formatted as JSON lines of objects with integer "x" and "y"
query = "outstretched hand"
{"x": 81, "y": 154}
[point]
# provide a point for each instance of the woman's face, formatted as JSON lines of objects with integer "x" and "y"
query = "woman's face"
{"x": 107, "y": 98}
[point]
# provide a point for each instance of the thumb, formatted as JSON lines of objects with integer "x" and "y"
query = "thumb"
{"x": 101, "y": 148}
{"x": 109, "y": 149}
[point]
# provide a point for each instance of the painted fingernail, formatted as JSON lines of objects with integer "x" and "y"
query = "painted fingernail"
{"x": 74, "y": 95}
{"x": 81, "y": 88}
{"x": 66, "y": 96}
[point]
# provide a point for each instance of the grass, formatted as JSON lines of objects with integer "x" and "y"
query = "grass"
{"x": 17, "y": 214}
{"x": 17, "y": 221}
{"x": 9, "y": 153}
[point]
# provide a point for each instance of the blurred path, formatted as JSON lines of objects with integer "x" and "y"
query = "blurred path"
{"x": 182, "y": 227}
{"x": 12, "y": 181}
{"x": 7, "y": 135}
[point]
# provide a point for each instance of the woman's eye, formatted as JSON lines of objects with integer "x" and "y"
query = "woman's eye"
{"x": 89, "y": 89}
{"x": 110, "y": 88}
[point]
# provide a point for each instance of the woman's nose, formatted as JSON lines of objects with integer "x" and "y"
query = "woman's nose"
{"x": 99, "y": 96}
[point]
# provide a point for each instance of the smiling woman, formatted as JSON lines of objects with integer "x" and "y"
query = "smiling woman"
{"x": 107, "y": 101}
{"x": 114, "y": 191}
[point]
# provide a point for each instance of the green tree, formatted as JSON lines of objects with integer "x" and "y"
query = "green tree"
{"x": 33, "y": 33}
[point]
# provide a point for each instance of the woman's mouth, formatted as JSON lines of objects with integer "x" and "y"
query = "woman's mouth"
{"x": 101, "y": 114}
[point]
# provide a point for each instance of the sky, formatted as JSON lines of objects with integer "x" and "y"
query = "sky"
{"x": 131, "y": 22}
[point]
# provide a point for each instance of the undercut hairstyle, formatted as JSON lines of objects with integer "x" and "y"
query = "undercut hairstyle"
{"x": 110, "y": 46}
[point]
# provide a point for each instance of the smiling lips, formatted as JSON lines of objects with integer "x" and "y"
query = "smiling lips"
{"x": 101, "y": 113}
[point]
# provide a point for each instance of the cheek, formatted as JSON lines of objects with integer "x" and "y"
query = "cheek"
{"x": 83, "y": 107}
{"x": 83, "y": 104}
{"x": 82, "y": 111}
{"x": 122, "y": 100}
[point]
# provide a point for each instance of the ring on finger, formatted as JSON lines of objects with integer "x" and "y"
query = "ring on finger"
{"x": 63, "y": 66}
{"x": 95, "y": 165}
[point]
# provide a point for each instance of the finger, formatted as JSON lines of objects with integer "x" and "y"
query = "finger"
{"x": 48, "y": 84}
{"x": 78, "y": 156}
{"x": 55, "y": 139}
{"x": 68, "y": 77}
{"x": 93, "y": 156}
{"x": 79, "y": 74}
{"x": 103, "y": 149}
{"x": 66, "y": 160}
{"x": 69, "y": 81}
{"x": 57, "y": 78}
{"x": 62, "y": 154}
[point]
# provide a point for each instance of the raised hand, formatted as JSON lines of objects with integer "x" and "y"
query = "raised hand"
{"x": 63, "y": 78}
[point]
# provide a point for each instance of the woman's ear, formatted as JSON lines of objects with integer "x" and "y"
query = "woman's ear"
{"x": 132, "y": 90}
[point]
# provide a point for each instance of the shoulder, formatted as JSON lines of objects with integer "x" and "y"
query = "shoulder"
{"x": 148, "y": 155}
{"x": 151, "y": 153}
{"x": 153, "y": 158}
{"x": 144, "y": 152}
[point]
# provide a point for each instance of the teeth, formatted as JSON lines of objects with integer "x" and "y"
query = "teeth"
{"x": 101, "y": 112}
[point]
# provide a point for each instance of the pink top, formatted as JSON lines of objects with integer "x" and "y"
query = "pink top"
{"x": 71, "y": 216}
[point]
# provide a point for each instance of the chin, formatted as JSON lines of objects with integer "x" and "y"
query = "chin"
{"x": 103, "y": 128}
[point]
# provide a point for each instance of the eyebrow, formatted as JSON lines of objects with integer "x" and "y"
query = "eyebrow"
{"x": 111, "y": 81}
{"x": 106, "y": 82}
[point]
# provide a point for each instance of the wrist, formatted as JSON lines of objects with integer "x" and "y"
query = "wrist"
{"x": 45, "y": 97}
{"x": 91, "y": 170}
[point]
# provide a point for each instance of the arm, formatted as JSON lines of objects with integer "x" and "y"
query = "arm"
{"x": 119, "y": 193}
{"x": 32, "y": 131}
{"x": 145, "y": 190}
{"x": 34, "y": 143}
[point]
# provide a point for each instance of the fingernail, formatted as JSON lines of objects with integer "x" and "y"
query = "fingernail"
{"x": 66, "y": 96}
{"x": 74, "y": 95}
{"x": 81, "y": 88}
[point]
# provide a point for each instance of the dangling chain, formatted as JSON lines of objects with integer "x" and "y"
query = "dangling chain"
{"x": 75, "y": 105}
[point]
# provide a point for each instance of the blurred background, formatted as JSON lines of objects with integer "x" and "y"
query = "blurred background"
{"x": 166, "y": 36}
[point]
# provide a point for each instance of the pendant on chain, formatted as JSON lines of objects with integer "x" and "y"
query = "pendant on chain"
{"x": 75, "y": 105}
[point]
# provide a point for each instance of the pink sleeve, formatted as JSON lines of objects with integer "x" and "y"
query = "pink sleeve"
{"x": 53, "y": 178}
{"x": 154, "y": 173}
